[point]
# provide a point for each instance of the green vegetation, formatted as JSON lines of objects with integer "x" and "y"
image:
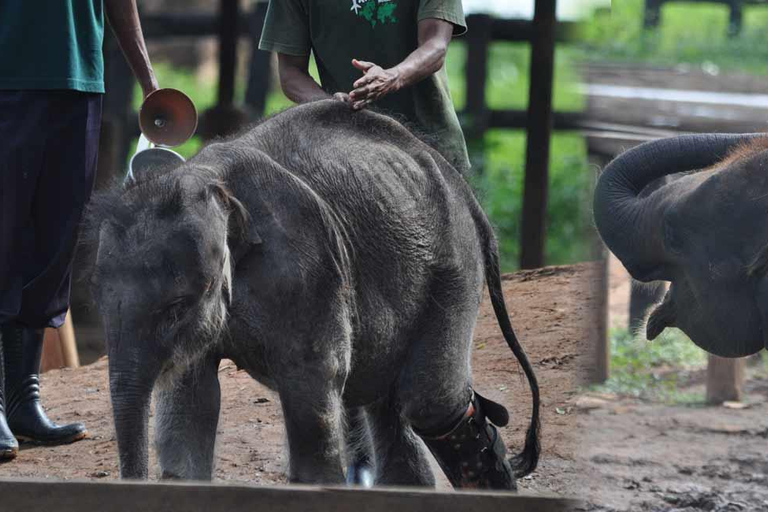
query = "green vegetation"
{"x": 501, "y": 155}
{"x": 688, "y": 33}
{"x": 653, "y": 370}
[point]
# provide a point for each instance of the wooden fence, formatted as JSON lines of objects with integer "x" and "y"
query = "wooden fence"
{"x": 653, "y": 11}
{"x": 538, "y": 120}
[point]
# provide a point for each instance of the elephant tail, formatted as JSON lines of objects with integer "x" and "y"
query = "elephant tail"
{"x": 524, "y": 462}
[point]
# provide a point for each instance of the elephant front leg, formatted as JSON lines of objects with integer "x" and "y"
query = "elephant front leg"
{"x": 312, "y": 408}
{"x": 185, "y": 422}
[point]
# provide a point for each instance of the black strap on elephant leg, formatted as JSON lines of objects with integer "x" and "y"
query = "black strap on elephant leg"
{"x": 9, "y": 447}
{"x": 22, "y": 348}
{"x": 472, "y": 453}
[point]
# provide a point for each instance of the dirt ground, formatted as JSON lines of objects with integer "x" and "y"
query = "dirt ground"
{"x": 642, "y": 456}
{"x": 552, "y": 310}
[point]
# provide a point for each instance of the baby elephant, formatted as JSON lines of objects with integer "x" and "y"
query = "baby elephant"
{"x": 341, "y": 262}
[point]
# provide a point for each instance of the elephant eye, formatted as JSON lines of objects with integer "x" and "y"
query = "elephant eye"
{"x": 672, "y": 240}
{"x": 175, "y": 306}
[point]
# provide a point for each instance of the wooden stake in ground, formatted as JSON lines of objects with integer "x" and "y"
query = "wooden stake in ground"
{"x": 60, "y": 347}
{"x": 725, "y": 380}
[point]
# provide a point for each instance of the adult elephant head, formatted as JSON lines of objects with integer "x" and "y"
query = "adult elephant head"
{"x": 706, "y": 232}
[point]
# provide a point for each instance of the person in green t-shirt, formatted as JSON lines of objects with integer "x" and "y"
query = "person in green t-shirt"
{"x": 387, "y": 52}
{"x": 51, "y": 80}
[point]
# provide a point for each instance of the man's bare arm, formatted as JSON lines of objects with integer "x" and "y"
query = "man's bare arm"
{"x": 296, "y": 82}
{"x": 124, "y": 19}
{"x": 427, "y": 59}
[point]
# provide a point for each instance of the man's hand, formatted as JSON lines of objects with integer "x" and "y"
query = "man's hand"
{"x": 375, "y": 84}
{"x": 428, "y": 58}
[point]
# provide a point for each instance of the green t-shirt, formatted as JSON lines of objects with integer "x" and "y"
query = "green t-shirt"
{"x": 52, "y": 44}
{"x": 384, "y": 32}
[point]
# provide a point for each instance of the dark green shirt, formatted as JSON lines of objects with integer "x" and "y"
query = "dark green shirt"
{"x": 384, "y": 32}
{"x": 52, "y": 44}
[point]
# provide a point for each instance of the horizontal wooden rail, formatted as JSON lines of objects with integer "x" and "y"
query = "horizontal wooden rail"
{"x": 201, "y": 24}
{"x": 24, "y": 495}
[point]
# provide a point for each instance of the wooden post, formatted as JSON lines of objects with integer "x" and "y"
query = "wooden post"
{"x": 538, "y": 139}
{"x": 478, "y": 42}
{"x": 229, "y": 11}
{"x": 60, "y": 347}
{"x": 599, "y": 334}
{"x": 735, "y": 18}
{"x": 602, "y": 368}
{"x": 652, "y": 13}
{"x": 259, "y": 68}
{"x": 725, "y": 380}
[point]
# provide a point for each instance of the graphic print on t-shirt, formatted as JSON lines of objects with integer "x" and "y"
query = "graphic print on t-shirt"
{"x": 375, "y": 11}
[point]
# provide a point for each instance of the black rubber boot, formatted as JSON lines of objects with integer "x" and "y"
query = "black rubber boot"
{"x": 23, "y": 348}
{"x": 471, "y": 453}
{"x": 9, "y": 447}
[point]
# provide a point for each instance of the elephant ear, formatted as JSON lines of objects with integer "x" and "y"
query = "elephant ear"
{"x": 243, "y": 235}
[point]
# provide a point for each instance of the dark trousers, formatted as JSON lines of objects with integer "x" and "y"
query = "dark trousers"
{"x": 48, "y": 149}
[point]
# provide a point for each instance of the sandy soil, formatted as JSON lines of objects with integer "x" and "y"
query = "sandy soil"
{"x": 552, "y": 311}
{"x": 642, "y": 456}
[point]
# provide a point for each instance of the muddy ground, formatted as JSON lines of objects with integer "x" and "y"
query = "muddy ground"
{"x": 642, "y": 456}
{"x": 552, "y": 310}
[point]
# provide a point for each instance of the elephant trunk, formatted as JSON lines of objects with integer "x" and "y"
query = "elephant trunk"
{"x": 625, "y": 222}
{"x": 131, "y": 380}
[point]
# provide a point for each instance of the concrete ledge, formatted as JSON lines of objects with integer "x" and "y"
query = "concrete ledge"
{"x": 18, "y": 495}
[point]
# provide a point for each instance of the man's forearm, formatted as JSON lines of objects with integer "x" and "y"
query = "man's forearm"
{"x": 295, "y": 81}
{"x": 421, "y": 63}
{"x": 124, "y": 19}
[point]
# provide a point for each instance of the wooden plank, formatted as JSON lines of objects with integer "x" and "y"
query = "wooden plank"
{"x": 24, "y": 495}
{"x": 539, "y": 131}
{"x": 725, "y": 380}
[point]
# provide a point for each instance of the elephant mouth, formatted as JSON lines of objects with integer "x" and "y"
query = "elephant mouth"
{"x": 662, "y": 316}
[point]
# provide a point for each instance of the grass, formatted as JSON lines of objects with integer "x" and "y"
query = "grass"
{"x": 653, "y": 370}
{"x": 693, "y": 34}
{"x": 501, "y": 154}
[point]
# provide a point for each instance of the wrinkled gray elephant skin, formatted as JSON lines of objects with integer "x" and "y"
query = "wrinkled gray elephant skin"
{"x": 335, "y": 257}
{"x": 693, "y": 210}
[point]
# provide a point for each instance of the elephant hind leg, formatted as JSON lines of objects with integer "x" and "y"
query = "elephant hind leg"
{"x": 439, "y": 403}
{"x": 186, "y": 418}
{"x": 400, "y": 456}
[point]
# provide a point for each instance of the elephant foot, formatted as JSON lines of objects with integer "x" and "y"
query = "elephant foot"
{"x": 360, "y": 474}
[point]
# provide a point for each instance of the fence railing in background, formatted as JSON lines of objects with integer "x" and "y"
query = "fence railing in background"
{"x": 542, "y": 33}
{"x": 653, "y": 11}
{"x": 477, "y": 118}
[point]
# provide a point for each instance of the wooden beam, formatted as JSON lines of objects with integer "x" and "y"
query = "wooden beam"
{"x": 518, "y": 31}
{"x": 539, "y": 131}
{"x": 198, "y": 497}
